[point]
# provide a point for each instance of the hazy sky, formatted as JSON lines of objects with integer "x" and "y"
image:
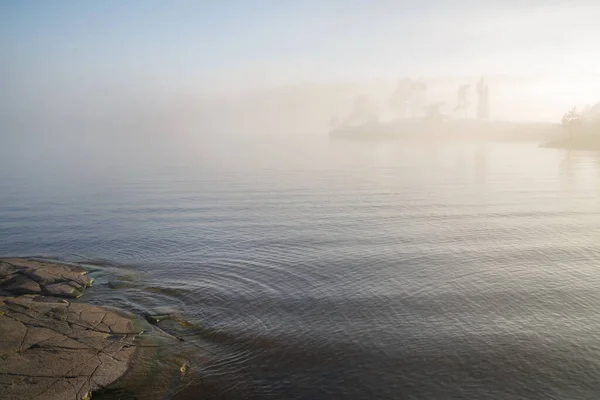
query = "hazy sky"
{"x": 199, "y": 43}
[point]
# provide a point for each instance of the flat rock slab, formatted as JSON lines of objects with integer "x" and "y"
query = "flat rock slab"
{"x": 52, "y": 349}
{"x": 21, "y": 276}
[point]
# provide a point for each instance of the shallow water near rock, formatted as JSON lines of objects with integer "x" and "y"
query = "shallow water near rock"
{"x": 337, "y": 270}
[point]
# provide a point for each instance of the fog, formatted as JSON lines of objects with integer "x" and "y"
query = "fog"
{"x": 82, "y": 76}
{"x": 300, "y": 199}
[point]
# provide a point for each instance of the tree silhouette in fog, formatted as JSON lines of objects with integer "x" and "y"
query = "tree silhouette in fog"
{"x": 409, "y": 98}
{"x": 463, "y": 100}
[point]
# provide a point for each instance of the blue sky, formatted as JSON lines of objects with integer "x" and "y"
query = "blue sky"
{"x": 216, "y": 42}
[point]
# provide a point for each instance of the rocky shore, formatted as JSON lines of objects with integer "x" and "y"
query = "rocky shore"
{"x": 55, "y": 347}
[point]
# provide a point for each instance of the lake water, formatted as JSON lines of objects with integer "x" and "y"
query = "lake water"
{"x": 333, "y": 269}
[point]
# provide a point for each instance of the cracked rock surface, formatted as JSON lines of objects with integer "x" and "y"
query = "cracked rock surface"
{"x": 20, "y": 276}
{"x": 58, "y": 350}
{"x": 51, "y": 348}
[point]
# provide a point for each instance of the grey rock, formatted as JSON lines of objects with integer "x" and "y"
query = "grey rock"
{"x": 51, "y": 348}
{"x": 20, "y": 276}
{"x": 61, "y": 351}
{"x": 21, "y": 284}
{"x": 62, "y": 290}
{"x": 6, "y": 270}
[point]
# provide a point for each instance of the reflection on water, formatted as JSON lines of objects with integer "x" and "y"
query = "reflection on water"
{"x": 339, "y": 270}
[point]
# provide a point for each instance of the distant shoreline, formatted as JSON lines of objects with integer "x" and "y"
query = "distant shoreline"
{"x": 451, "y": 130}
{"x": 589, "y": 142}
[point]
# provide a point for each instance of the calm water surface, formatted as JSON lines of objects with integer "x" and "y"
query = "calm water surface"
{"x": 337, "y": 270}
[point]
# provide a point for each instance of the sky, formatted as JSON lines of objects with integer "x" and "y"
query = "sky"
{"x": 67, "y": 57}
{"x": 230, "y": 42}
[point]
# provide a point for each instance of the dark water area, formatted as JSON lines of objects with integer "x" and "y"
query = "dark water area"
{"x": 336, "y": 270}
